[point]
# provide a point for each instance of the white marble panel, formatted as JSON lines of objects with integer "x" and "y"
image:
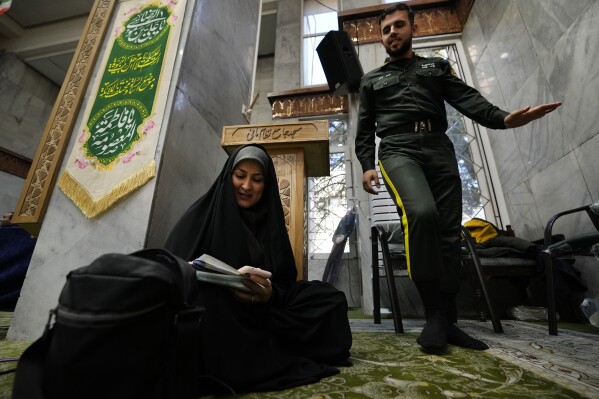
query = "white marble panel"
{"x": 588, "y": 159}
{"x": 262, "y": 112}
{"x": 524, "y": 217}
{"x": 473, "y": 39}
{"x": 9, "y": 124}
{"x": 23, "y": 117}
{"x": 8, "y": 90}
{"x": 371, "y": 56}
{"x": 37, "y": 111}
{"x": 547, "y": 20}
{"x": 288, "y": 46}
{"x": 573, "y": 74}
{"x": 20, "y": 103}
{"x": 192, "y": 158}
{"x": 27, "y": 138}
{"x": 512, "y": 52}
{"x": 12, "y": 68}
{"x": 10, "y": 191}
{"x": 486, "y": 80}
{"x": 287, "y": 77}
{"x": 559, "y": 187}
{"x": 288, "y": 51}
{"x": 264, "y": 84}
{"x": 544, "y": 140}
{"x": 69, "y": 240}
{"x": 47, "y": 91}
{"x": 368, "y": 56}
{"x": 508, "y": 160}
{"x": 264, "y": 75}
{"x": 215, "y": 74}
{"x": 31, "y": 80}
{"x": 489, "y": 13}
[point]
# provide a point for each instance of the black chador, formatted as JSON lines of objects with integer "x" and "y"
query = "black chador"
{"x": 295, "y": 338}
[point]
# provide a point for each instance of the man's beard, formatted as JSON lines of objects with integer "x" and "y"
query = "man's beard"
{"x": 401, "y": 50}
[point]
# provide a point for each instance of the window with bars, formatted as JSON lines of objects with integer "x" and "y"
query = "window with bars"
{"x": 476, "y": 185}
{"x": 327, "y": 195}
{"x": 327, "y": 199}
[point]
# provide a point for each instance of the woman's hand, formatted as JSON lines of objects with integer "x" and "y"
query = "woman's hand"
{"x": 258, "y": 283}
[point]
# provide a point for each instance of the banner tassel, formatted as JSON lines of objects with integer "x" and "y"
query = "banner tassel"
{"x": 91, "y": 207}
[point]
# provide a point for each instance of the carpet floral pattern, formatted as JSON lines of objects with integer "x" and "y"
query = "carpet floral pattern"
{"x": 522, "y": 362}
{"x": 388, "y": 365}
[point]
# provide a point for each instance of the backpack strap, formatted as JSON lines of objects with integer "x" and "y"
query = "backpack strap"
{"x": 186, "y": 370}
{"x": 28, "y": 379}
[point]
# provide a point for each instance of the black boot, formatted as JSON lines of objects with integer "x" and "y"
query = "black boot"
{"x": 433, "y": 337}
{"x": 455, "y": 336}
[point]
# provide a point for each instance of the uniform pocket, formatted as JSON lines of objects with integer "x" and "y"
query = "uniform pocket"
{"x": 386, "y": 82}
{"x": 429, "y": 72}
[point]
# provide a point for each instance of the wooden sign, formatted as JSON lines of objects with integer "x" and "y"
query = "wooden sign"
{"x": 312, "y": 137}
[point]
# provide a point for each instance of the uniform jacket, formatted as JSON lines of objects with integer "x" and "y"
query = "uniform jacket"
{"x": 414, "y": 89}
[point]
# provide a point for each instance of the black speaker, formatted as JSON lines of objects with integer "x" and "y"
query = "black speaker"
{"x": 340, "y": 62}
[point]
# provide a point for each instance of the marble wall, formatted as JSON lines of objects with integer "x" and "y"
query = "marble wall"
{"x": 520, "y": 52}
{"x": 26, "y": 100}
{"x": 530, "y": 52}
{"x": 212, "y": 81}
{"x": 264, "y": 83}
{"x": 217, "y": 71}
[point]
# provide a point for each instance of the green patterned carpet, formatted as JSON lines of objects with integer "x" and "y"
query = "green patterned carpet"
{"x": 524, "y": 362}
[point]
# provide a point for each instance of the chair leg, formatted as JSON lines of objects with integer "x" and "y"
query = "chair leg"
{"x": 478, "y": 294}
{"x": 392, "y": 290}
{"x": 497, "y": 327}
{"x": 376, "y": 290}
{"x": 551, "y": 310}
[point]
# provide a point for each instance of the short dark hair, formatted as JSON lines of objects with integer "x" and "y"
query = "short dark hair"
{"x": 398, "y": 7}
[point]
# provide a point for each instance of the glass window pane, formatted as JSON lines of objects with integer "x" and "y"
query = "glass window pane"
{"x": 337, "y": 133}
{"x": 320, "y": 23}
{"x": 327, "y": 205}
{"x": 313, "y": 74}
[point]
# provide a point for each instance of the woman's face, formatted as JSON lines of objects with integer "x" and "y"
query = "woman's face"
{"x": 248, "y": 183}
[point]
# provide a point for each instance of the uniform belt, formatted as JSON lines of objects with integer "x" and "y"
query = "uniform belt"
{"x": 423, "y": 126}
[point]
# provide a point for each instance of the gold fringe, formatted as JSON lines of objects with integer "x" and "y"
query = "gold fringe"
{"x": 90, "y": 208}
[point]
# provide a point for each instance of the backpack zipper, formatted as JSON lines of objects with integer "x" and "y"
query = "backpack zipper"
{"x": 66, "y": 313}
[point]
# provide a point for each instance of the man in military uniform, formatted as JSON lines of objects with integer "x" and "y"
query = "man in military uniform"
{"x": 402, "y": 102}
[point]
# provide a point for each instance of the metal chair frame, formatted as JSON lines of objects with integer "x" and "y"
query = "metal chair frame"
{"x": 551, "y": 251}
{"x": 481, "y": 269}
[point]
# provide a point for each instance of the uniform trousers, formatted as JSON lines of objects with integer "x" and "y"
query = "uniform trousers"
{"x": 421, "y": 174}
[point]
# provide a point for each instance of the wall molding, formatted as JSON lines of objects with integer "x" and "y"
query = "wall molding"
{"x": 310, "y": 101}
{"x": 434, "y": 17}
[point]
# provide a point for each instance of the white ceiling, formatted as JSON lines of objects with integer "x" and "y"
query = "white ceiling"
{"x": 45, "y": 33}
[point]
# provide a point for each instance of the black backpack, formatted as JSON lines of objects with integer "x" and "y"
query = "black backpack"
{"x": 125, "y": 327}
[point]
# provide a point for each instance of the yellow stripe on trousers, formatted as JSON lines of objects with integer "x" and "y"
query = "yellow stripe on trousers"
{"x": 404, "y": 217}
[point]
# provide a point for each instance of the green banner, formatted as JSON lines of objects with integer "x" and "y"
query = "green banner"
{"x": 129, "y": 84}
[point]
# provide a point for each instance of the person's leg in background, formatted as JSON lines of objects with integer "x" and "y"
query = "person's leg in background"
{"x": 446, "y": 187}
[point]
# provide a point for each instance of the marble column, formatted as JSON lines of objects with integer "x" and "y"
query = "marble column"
{"x": 212, "y": 81}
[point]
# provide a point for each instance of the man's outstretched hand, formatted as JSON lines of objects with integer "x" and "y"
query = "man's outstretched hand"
{"x": 367, "y": 178}
{"x": 526, "y": 115}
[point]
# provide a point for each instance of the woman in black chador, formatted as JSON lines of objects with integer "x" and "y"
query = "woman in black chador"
{"x": 285, "y": 332}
